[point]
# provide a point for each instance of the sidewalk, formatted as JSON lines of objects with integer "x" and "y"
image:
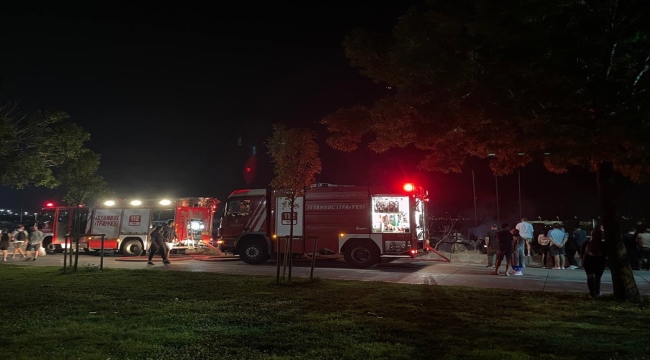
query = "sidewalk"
{"x": 406, "y": 272}
{"x": 534, "y": 278}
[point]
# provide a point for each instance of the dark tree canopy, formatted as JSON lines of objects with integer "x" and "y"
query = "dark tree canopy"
{"x": 80, "y": 180}
{"x": 560, "y": 80}
{"x": 33, "y": 144}
{"x": 566, "y": 81}
{"x": 294, "y": 154}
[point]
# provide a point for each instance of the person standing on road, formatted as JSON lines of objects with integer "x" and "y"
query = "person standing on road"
{"x": 518, "y": 244}
{"x": 644, "y": 244}
{"x": 526, "y": 232}
{"x": 169, "y": 235}
{"x": 157, "y": 246}
{"x": 558, "y": 239}
{"x": 580, "y": 237}
{"x": 491, "y": 243}
{"x": 631, "y": 246}
{"x": 504, "y": 240}
{"x": 18, "y": 238}
{"x": 4, "y": 243}
{"x": 571, "y": 248}
{"x": 594, "y": 262}
{"x": 35, "y": 240}
{"x": 545, "y": 242}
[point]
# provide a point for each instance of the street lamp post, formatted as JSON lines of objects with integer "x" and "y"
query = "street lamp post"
{"x": 519, "y": 181}
{"x": 496, "y": 183}
{"x": 474, "y": 188}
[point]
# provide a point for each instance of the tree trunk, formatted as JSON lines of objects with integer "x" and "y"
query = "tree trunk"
{"x": 623, "y": 282}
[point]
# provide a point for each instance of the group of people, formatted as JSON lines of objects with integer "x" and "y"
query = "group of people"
{"x": 34, "y": 240}
{"x": 508, "y": 243}
{"x": 17, "y": 239}
{"x": 512, "y": 244}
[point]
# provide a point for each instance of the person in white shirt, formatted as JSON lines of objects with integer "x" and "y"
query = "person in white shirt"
{"x": 526, "y": 232}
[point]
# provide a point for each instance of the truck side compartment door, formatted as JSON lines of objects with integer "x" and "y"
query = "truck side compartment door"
{"x": 284, "y": 217}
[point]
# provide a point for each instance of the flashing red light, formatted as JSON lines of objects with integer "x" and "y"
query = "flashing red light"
{"x": 413, "y": 251}
{"x": 243, "y": 191}
{"x": 409, "y": 187}
{"x": 248, "y": 169}
{"x": 49, "y": 204}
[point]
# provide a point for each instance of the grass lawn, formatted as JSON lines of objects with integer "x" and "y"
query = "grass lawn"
{"x": 140, "y": 314}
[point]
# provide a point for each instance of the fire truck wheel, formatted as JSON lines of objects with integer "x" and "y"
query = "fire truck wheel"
{"x": 253, "y": 251}
{"x": 362, "y": 254}
{"x": 132, "y": 247}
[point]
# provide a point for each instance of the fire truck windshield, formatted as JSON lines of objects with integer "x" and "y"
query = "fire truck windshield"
{"x": 238, "y": 207}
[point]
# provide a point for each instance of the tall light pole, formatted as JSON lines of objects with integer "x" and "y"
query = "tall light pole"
{"x": 519, "y": 180}
{"x": 474, "y": 188}
{"x": 496, "y": 182}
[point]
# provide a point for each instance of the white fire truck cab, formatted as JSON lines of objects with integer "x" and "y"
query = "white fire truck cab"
{"x": 364, "y": 224}
{"x": 126, "y": 224}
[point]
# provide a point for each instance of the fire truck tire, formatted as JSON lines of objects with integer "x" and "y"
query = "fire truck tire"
{"x": 362, "y": 254}
{"x": 253, "y": 251}
{"x": 132, "y": 247}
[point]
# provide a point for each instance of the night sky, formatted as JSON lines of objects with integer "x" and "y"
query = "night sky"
{"x": 175, "y": 99}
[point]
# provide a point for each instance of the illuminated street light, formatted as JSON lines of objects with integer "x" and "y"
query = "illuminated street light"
{"x": 136, "y": 202}
{"x": 109, "y": 203}
{"x": 165, "y": 202}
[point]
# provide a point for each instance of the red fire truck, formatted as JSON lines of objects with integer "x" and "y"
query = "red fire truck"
{"x": 364, "y": 224}
{"x": 126, "y": 224}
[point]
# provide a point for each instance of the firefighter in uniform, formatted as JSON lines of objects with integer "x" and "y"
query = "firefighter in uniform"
{"x": 169, "y": 235}
{"x": 157, "y": 246}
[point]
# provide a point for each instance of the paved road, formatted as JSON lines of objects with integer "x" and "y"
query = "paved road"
{"x": 407, "y": 272}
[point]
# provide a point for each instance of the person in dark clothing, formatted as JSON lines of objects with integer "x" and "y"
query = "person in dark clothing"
{"x": 169, "y": 234}
{"x": 571, "y": 247}
{"x": 491, "y": 242}
{"x": 629, "y": 240}
{"x": 157, "y": 246}
{"x": 4, "y": 243}
{"x": 580, "y": 237}
{"x": 504, "y": 243}
{"x": 594, "y": 262}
